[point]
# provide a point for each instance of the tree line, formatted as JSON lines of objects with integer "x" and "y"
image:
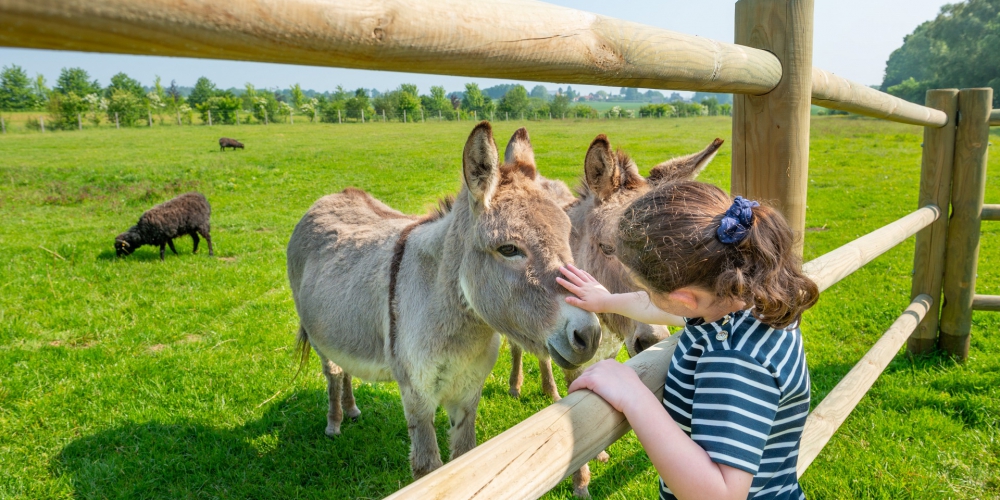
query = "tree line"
{"x": 957, "y": 49}
{"x": 125, "y": 102}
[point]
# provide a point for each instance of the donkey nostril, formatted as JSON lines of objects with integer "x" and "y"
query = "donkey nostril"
{"x": 579, "y": 343}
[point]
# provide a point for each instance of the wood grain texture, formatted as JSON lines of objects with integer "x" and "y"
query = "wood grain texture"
{"x": 521, "y": 39}
{"x": 827, "y": 417}
{"x": 836, "y": 265}
{"x": 771, "y": 132}
{"x": 967, "y": 191}
{"x": 990, "y": 212}
{"x": 532, "y": 457}
{"x": 935, "y": 189}
{"x": 834, "y": 92}
{"x": 986, "y": 303}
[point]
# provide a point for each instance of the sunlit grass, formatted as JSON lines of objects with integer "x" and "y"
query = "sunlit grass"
{"x": 132, "y": 377}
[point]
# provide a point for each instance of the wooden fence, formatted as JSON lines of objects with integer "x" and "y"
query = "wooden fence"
{"x": 770, "y": 70}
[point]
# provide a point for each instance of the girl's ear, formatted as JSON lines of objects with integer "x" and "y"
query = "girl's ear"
{"x": 685, "y": 296}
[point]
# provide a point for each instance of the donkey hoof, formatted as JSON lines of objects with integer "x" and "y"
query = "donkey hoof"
{"x": 581, "y": 492}
{"x": 603, "y": 457}
{"x": 516, "y": 393}
{"x": 353, "y": 414}
{"x": 333, "y": 430}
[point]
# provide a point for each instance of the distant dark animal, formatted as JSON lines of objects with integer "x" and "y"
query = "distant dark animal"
{"x": 158, "y": 226}
{"x": 226, "y": 142}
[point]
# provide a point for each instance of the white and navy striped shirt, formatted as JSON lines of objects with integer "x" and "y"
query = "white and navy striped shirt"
{"x": 740, "y": 389}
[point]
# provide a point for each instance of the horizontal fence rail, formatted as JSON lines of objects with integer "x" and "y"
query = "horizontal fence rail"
{"x": 532, "y": 457}
{"x": 990, "y": 212}
{"x": 840, "y": 263}
{"x": 834, "y": 92}
{"x": 521, "y": 39}
{"x": 986, "y": 303}
{"x": 826, "y": 418}
{"x": 995, "y": 118}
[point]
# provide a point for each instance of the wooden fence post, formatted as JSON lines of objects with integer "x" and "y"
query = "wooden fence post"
{"x": 149, "y": 117}
{"x": 404, "y": 116}
{"x": 237, "y": 117}
{"x": 291, "y": 118}
{"x": 972, "y": 141}
{"x": 79, "y": 121}
{"x": 210, "y": 118}
{"x": 422, "y": 116}
{"x": 338, "y": 117}
{"x": 178, "y": 117}
{"x": 771, "y": 131}
{"x": 935, "y": 189}
{"x": 41, "y": 121}
{"x": 117, "y": 126}
{"x": 362, "y": 116}
{"x": 3, "y": 125}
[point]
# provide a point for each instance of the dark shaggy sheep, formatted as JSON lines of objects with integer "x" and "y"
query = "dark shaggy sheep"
{"x": 226, "y": 142}
{"x": 185, "y": 214}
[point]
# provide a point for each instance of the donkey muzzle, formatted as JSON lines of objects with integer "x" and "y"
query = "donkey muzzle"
{"x": 577, "y": 340}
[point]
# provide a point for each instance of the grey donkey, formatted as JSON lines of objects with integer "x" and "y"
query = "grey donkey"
{"x": 611, "y": 182}
{"x": 385, "y": 296}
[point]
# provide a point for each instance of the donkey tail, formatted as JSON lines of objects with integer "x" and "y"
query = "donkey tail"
{"x": 302, "y": 348}
{"x": 686, "y": 167}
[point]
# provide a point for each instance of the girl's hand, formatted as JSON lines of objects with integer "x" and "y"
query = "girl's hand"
{"x": 590, "y": 295}
{"x": 613, "y": 381}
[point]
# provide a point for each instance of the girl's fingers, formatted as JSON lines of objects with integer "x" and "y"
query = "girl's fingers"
{"x": 569, "y": 286}
{"x": 571, "y": 276}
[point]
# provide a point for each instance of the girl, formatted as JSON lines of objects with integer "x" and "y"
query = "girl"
{"x": 737, "y": 388}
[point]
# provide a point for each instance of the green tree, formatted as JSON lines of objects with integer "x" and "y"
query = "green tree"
{"x": 409, "y": 101}
{"x": 298, "y": 97}
{"x": 224, "y": 106}
{"x": 66, "y": 110}
{"x": 559, "y": 105}
{"x": 515, "y": 101}
{"x": 712, "y": 105}
{"x": 127, "y": 105}
{"x": 123, "y": 82}
{"x": 437, "y": 102}
{"x": 540, "y": 92}
{"x": 359, "y": 104}
{"x": 203, "y": 90}
{"x": 475, "y": 100}
{"x": 16, "y": 89}
{"x": 76, "y": 81}
{"x": 958, "y": 49}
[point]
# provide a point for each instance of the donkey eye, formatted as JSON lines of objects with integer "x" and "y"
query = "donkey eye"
{"x": 509, "y": 251}
{"x": 606, "y": 249}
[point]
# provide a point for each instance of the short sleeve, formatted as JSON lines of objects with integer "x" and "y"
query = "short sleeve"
{"x": 734, "y": 406}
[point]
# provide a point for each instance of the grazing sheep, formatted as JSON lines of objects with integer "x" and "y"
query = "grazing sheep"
{"x": 185, "y": 214}
{"x": 226, "y": 142}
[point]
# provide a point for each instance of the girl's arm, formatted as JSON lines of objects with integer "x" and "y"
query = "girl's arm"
{"x": 684, "y": 466}
{"x": 591, "y": 296}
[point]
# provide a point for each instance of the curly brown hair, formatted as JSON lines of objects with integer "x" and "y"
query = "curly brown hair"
{"x": 667, "y": 238}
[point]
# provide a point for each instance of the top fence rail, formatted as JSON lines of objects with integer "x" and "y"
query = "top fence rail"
{"x": 995, "y": 118}
{"x": 521, "y": 39}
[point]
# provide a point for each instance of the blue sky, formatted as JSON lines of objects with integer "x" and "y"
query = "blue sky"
{"x": 852, "y": 38}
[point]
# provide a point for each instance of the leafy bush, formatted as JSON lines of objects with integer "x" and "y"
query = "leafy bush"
{"x": 127, "y": 105}
{"x": 66, "y": 111}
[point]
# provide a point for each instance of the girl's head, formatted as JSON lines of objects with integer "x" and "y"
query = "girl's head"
{"x": 669, "y": 238}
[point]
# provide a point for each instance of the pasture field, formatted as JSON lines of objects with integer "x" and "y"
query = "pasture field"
{"x": 135, "y": 378}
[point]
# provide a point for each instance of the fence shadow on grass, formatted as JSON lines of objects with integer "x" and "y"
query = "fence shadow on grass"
{"x": 281, "y": 454}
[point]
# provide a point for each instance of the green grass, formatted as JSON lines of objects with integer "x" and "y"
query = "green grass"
{"x": 127, "y": 378}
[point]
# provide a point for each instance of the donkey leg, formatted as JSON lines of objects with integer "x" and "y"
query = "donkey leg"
{"x": 548, "y": 380}
{"x": 334, "y": 385}
{"x": 516, "y": 373}
{"x": 196, "y": 240}
{"x": 462, "y": 416}
{"x": 347, "y": 399}
{"x": 172, "y": 249}
{"x": 425, "y": 456}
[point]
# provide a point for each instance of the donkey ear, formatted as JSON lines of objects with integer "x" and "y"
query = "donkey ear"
{"x": 686, "y": 167}
{"x": 480, "y": 164}
{"x": 601, "y": 169}
{"x": 519, "y": 148}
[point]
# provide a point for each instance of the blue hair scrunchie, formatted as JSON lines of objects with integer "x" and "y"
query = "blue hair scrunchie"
{"x": 737, "y": 221}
